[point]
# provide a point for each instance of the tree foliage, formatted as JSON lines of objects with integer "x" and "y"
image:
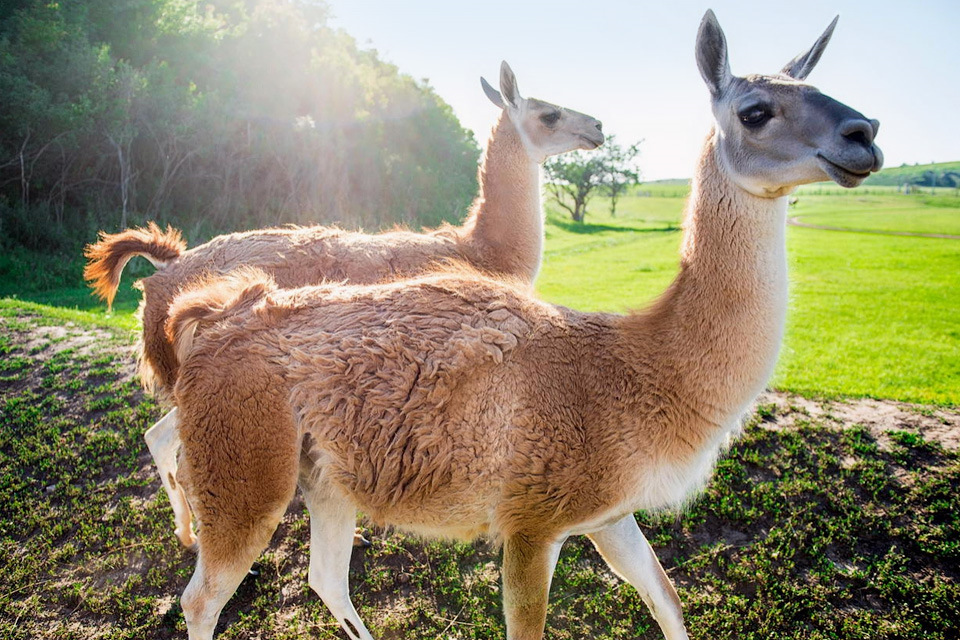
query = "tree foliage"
{"x": 622, "y": 171}
{"x": 574, "y": 178}
{"x": 213, "y": 116}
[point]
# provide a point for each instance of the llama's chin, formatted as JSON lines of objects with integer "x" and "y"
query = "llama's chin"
{"x": 841, "y": 175}
{"x": 589, "y": 144}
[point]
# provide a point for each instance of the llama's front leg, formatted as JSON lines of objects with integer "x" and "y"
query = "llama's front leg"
{"x": 332, "y": 522}
{"x": 226, "y": 551}
{"x": 528, "y": 566}
{"x": 163, "y": 442}
{"x": 628, "y": 553}
{"x": 211, "y": 586}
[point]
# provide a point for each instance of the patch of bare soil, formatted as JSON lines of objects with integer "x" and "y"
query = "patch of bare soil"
{"x": 45, "y": 341}
{"x": 50, "y": 340}
{"x": 54, "y": 345}
{"x": 935, "y": 424}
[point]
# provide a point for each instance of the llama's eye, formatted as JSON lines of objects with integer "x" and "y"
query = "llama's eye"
{"x": 550, "y": 118}
{"x": 754, "y": 117}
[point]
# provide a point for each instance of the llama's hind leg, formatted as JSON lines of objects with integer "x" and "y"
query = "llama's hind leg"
{"x": 163, "y": 442}
{"x": 628, "y": 553}
{"x": 528, "y": 566}
{"x": 223, "y": 559}
{"x": 241, "y": 451}
{"x": 332, "y": 522}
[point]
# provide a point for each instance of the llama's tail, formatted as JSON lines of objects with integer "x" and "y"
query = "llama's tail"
{"x": 108, "y": 256}
{"x": 210, "y": 300}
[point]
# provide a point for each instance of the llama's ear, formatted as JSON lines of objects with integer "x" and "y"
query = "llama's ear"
{"x": 508, "y": 85}
{"x": 801, "y": 66}
{"x": 492, "y": 93}
{"x": 712, "y": 57}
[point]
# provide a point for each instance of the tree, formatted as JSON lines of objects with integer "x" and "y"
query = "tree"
{"x": 621, "y": 169}
{"x": 952, "y": 179}
{"x": 574, "y": 178}
{"x": 213, "y": 116}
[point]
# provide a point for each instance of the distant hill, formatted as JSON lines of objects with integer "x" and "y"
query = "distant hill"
{"x": 939, "y": 174}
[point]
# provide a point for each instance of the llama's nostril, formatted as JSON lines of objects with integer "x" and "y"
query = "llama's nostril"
{"x": 858, "y": 131}
{"x": 599, "y": 126}
{"x": 859, "y": 137}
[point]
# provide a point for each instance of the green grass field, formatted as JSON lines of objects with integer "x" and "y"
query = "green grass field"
{"x": 870, "y": 315}
{"x": 915, "y": 214}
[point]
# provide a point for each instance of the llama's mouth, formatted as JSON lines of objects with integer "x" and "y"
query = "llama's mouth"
{"x": 842, "y": 175}
{"x": 591, "y": 143}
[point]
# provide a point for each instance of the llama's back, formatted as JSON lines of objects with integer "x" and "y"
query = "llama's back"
{"x": 293, "y": 257}
{"x": 302, "y": 256}
{"x": 393, "y": 389}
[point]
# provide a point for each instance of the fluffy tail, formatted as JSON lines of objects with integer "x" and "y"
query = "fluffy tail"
{"x": 209, "y": 300}
{"x": 110, "y": 255}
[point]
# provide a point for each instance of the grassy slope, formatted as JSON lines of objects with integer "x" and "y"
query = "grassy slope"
{"x": 873, "y": 315}
{"x": 893, "y": 175}
{"x": 869, "y": 315}
{"x": 78, "y": 310}
{"x": 807, "y": 531}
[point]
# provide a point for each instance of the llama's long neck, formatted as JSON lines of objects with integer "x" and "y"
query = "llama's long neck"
{"x": 505, "y": 225}
{"x": 718, "y": 327}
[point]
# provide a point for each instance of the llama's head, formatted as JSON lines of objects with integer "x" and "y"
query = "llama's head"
{"x": 546, "y": 129}
{"x": 776, "y": 132}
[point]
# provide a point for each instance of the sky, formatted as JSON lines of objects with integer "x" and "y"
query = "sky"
{"x": 631, "y": 64}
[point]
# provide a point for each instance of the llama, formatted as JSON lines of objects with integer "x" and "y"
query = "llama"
{"x": 503, "y": 234}
{"x": 457, "y": 405}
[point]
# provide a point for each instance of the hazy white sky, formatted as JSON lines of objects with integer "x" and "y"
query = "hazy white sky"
{"x": 631, "y": 64}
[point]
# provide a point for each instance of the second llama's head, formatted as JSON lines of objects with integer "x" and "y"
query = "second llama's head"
{"x": 546, "y": 129}
{"x": 776, "y": 132}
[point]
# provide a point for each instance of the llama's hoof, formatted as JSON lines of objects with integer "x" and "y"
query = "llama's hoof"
{"x": 188, "y": 539}
{"x": 360, "y": 541}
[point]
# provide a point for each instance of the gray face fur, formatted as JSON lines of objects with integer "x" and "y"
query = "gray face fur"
{"x": 546, "y": 129}
{"x": 777, "y": 132}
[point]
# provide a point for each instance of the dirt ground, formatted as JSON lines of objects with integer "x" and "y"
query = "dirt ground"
{"x": 937, "y": 424}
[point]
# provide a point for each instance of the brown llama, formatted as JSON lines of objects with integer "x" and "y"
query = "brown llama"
{"x": 457, "y": 405}
{"x": 503, "y": 234}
